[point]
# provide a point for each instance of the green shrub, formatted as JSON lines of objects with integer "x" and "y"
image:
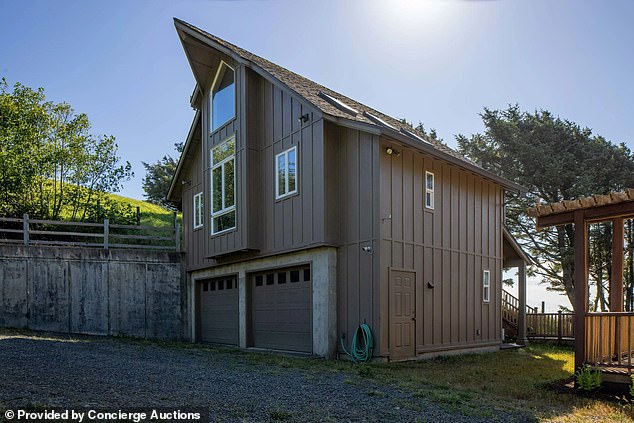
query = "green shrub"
{"x": 588, "y": 378}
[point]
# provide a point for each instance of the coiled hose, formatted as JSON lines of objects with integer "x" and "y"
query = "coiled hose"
{"x": 362, "y": 344}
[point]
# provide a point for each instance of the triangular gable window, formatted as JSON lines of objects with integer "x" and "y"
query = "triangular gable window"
{"x": 223, "y": 96}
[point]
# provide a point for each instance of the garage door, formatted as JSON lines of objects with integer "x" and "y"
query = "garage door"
{"x": 281, "y": 309}
{"x": 218, "y": 315}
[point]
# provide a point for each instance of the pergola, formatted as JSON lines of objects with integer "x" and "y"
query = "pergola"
{"x": 603, "y": 339}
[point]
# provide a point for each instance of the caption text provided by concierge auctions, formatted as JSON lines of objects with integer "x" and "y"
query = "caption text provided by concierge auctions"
{"x": 101, "y": 415}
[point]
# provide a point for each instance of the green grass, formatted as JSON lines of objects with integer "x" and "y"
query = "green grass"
{"x": 151, "y": 214}
{"x": 519, "y": 381}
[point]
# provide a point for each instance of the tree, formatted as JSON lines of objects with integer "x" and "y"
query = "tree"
{"x": 158, "y": 177}
{"x": 50, "y": 165}
{"x": 555, "y": 159}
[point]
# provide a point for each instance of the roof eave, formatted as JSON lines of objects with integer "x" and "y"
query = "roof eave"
{"x": 194, "y": 99}
{"x": 184, "y": 28}
{"x": 171, "y": 194}
{"x": 428, "y": 148}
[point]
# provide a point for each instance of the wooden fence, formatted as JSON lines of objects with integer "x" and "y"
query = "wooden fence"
{"x": 81, "y": 234}
{"x": 559, "y": 326}
{"x": 609, "y": 340}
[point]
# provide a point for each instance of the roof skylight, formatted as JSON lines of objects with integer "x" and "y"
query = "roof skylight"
{"x": 378, "y": 120}
{"x": 338, "y": 104}
{"x": 414, "y": 135}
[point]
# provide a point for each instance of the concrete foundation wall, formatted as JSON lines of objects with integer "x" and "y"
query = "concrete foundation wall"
{"x": 93, "y": 291}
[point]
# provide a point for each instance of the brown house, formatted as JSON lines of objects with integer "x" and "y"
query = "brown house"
{"x": 307, "y": 213}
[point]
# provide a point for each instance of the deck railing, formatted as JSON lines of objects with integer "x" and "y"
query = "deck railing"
{"x": 82, "y": 234}
{"x": 610, "y": 340}
{"x": 558, "y": 325}
{"x": 511, "y": 307}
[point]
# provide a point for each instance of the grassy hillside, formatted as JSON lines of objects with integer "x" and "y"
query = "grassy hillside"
{"x": 151, "y": 214}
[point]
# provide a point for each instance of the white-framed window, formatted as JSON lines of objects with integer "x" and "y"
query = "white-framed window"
{"x": 486, "y": 286}
{"x": 223, "y": 96}
{"x": 223, "y": 181}
{"x": 286, "y": 173}
{"x": 198, "y": 210}
{"x": 429, "y": 190}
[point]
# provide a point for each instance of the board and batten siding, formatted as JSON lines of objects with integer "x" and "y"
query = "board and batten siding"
{"x": 192, "y": 176}
{"x": 265, "y": 125}
{"x": 352, "y": 222}
{"x": 448, "y": 247}
{"x": 295, "y": 221}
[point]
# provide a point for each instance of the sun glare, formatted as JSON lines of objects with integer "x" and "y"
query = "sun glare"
{"x": 409, "y": 17}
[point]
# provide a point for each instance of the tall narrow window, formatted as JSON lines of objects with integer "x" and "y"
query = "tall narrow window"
{"x": 223, "y": 96}
{"x": 223, "y": 205}
{"x": 198, "y": 210}
{"x": 429, "y": 190}
{"x": 486, "y": 286}
{"x": 286, "y": 173}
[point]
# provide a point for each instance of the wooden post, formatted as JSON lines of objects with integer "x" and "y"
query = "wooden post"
{"x": 138, "y": 216}
{"x": 106, "y": 233}
{"x": 560, "y": 326}
{"x": 581, "y": 286}
{"x": 616, "y": 278}
{"x": 25, "y": 228}
{"x": 543, "y": 307}
{"x": 521, "y": 315}
{"x": 177, "y": 238}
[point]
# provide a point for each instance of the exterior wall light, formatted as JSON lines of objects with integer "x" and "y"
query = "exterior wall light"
{"x": 391, "y": 152}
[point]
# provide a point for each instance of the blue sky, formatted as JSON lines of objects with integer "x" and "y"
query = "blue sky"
{"x": 435, "y": 61}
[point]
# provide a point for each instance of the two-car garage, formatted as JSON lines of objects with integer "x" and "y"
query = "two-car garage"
{"x": 279, "y": 310}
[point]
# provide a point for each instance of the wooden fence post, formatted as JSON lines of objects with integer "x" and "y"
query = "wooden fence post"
{"x": 25, "y": 228}
{"x": 106, "y": 233}
{"x": 543, "y": 307}
{"x": 138, "y": 216}
{"x": 177, "y": 238}
{"x": 560, "y": 326}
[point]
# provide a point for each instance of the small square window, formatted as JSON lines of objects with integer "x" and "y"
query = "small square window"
{"x": 228, "y": 284}
{"x": 306, "y": 274}
{"x": 270, "y": 279}
{"x": 205, "y": 286}
{"x": 212, "y": 286}
{"x": 281, "y": 277}
{"x": 294, "y": 275}
{"x": 221, "y": 285}
{"x": 258, "y": 280}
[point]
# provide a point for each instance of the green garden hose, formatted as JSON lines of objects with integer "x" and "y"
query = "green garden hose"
{"x": 362, "y": 344}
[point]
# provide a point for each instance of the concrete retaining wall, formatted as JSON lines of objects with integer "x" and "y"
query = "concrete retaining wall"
{"x": 93, "y": 291}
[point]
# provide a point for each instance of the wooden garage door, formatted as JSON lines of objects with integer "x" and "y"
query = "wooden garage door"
{"x": 218, "y": 317}
{"x": 281, "y": 309}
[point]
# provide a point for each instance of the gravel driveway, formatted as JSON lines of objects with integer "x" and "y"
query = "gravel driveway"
{"x": 55, "y": 371}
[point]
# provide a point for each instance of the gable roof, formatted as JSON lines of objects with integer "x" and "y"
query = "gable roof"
{"x": 340, "y": 108}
